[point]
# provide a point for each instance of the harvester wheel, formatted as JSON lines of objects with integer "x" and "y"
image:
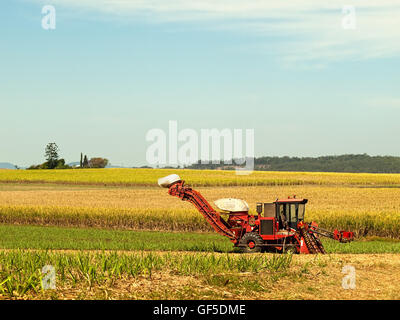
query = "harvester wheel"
{"x": 251, "y": 242}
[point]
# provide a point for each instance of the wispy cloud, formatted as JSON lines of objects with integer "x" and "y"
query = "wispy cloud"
{"x": 301, "y": 32}
{"x": 384, "y": 103}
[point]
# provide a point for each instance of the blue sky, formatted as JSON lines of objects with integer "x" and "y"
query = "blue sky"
{"x": 113, "y": 70}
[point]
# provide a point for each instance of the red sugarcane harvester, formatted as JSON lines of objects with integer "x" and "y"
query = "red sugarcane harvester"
{"x": 278, "y": 226}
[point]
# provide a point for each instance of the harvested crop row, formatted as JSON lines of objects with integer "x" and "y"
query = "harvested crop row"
{"x": 362, "y": 224}
{"x": 366, "y": 211}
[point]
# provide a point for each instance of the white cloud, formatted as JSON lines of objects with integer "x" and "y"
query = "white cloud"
{"x": 308, "y": 31}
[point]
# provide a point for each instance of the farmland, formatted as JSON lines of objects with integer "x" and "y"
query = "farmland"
{"x": 365, "y": 210}
{"x": 147, "y": 177}
{"x": 110, "y": 232}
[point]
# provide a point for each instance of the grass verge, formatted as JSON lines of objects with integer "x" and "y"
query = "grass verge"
{"x": 37, "y": 237}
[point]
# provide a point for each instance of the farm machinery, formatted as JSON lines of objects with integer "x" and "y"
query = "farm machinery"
{"x": 278, "y": 226}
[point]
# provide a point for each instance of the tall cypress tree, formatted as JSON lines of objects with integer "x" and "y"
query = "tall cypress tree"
{"x": 85, "y": 162}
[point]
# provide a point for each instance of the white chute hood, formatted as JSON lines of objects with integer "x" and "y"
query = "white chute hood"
{"x": 232, "y": 205}
{"x": 167, "y": 181}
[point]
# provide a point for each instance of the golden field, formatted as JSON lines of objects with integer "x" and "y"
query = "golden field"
{"x": 364, "y": 210}
{"x": 148, "y": 177}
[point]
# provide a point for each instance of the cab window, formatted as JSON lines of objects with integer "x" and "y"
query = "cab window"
{"x": 301, "y": 211}
{"x": 293, "y": 215}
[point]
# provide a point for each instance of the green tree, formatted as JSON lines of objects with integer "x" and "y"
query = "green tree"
{"x": 98, "y": 162}
{"x": 51, "y": 154}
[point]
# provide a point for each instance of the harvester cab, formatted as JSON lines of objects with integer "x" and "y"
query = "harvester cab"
{"x": 278, "y": 226}
{"x": 287, "y": 212}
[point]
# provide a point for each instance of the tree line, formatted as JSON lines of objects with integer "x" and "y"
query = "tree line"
{"x": 53, "y": 160}
{"x": 341, "y": 163}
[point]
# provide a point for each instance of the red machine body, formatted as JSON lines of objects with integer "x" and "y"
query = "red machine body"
{"x": 278, "y": 226}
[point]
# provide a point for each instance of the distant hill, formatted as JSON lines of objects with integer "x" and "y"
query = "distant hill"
{"x": 357, "y": 163}
{"x": 74, "y": 164}
{"x": 6, "y": 165}
{"x": 111, "y": 166}
{"x": 342, "y": 163}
